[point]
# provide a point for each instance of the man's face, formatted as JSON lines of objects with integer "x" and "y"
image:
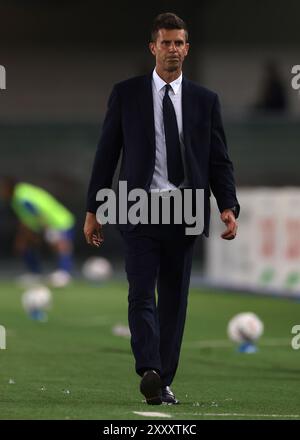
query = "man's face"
{"x": 169, "y": 49}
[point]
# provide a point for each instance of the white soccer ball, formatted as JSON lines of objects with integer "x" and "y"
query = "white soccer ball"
{"x": 38, "y": 298}
{"x": 59, "y": 278}
{"x": 245, "y": 327}
{"x": 97, "y": 269}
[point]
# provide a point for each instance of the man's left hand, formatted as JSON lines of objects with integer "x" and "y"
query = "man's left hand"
{"x": 229, "y": 219}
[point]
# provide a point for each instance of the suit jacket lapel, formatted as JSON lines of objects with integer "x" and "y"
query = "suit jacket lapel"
{"x": 146, "y": 108}
{"x": 189, "y": 115}
{"x": 187, "y": 109}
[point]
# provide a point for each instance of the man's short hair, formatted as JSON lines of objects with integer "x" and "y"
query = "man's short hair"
{"x": 167, "y": 20}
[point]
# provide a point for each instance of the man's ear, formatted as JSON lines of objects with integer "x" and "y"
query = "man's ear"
{"x": 187, "y": 46}
{"x": 152, "y": 48}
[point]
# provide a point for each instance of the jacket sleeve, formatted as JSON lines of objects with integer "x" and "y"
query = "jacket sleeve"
{"x": 108, "y": 151}
{"x": 221, "y": 169}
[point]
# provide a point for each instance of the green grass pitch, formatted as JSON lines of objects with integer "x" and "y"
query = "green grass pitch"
{"x": 73, "y": 367}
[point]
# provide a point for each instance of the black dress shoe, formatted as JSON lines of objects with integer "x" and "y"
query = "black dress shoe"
{"x": 151, "y": 387}
{"x": 168, "y": 396}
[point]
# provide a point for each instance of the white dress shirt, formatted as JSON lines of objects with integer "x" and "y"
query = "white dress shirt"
{"x": 160, "y": 176}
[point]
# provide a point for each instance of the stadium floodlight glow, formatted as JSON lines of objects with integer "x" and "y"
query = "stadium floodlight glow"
{"x": 2, "y": 78}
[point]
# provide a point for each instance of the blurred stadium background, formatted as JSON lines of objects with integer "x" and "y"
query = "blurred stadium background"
{"x": 61, "y": 60}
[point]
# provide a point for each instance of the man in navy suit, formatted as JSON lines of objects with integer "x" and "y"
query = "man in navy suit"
{"x": 171, "y": 136}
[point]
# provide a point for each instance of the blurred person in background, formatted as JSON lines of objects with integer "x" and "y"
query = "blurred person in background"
{"x": 40, "y": 216}
{"x": 272, "y": 94}
{"x": 145, "y": 118}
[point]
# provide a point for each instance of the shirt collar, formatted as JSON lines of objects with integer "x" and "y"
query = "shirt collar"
{"x": 160, "y": 83}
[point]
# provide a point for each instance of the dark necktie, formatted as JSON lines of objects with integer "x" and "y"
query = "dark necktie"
{"x": 174, "y": 158}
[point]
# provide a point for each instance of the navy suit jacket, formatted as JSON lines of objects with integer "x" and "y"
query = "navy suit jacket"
{"x": 129, "y": 127}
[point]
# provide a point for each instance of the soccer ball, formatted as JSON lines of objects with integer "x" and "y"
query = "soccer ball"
{"x": 59, "y": 278}
{"x": 97, "y": 269}
{"x": 37, "y": 299}
{"x": 245, "y": 328}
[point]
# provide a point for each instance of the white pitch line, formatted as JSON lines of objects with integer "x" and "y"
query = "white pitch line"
{"x": 224, "y": 343}
{"x": 159, "y": 414}
{"x": 294, "y": 416}
{"x": 151, "y": 414}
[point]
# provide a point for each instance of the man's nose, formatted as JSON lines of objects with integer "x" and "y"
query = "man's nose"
{"x": 173, "y": 47}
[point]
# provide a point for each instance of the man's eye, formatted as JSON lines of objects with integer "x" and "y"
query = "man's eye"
{"x": 168, "y": 43}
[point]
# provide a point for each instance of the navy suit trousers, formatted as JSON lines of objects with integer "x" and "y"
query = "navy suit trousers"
{"x": 157, "y": 257}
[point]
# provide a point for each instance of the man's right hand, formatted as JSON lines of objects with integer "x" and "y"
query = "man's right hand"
{"x": 93, "y": 230}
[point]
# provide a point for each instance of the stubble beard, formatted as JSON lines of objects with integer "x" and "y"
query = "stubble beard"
{"x": 173, "y": 67}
